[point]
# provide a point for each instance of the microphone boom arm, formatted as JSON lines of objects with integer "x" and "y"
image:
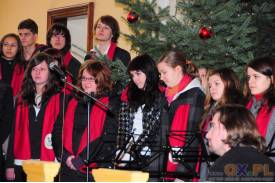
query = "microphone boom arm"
{"x": 89, "y": 96}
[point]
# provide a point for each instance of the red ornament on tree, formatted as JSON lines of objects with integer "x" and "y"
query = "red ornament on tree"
{"x": 205, "y": 33}
{"x": 132, "y": 17}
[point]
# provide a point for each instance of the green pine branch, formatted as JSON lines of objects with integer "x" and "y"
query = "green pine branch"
{"x": 240, "y": 30}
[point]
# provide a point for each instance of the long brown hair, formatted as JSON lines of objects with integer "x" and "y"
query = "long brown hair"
{"x": 28, "y": 86}
{"x": 241, "y": 127}
{"x": 232, "y": 93}
{"x": 232, "y": 88}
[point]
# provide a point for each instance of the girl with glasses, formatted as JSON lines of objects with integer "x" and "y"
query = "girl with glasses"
{"x": 95, "y": 79}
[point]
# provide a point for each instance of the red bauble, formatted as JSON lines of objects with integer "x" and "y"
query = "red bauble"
{"x": 132, "y": 17}
{"x": 205, "y": 33}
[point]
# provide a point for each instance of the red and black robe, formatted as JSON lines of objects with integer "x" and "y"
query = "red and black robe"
{"x": 185, "y": 112}
{"x": 75, "y": 130}
{"x": 22, "y": 131}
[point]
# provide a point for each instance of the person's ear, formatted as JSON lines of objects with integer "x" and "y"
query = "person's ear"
{"x": 178, "y": 69}
{"x": 224, "y": 133}
{"x": 36, "y": 36}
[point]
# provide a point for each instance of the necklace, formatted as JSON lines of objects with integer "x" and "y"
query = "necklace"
{"x": 37, "y": 100}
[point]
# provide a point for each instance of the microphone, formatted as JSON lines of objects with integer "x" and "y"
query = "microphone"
{"x": 54, "y": 67}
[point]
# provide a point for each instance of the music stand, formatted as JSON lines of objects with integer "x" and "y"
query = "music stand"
{"x": 270, "y": 152}
{"x": 150, "y": 161}
{"x": 192, "y": 150}
{"x": 111, "y": 158}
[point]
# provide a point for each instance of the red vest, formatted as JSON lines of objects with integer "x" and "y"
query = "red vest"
{"x": 22, "y": 146}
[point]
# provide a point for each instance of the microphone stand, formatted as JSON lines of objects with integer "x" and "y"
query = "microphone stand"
{"x": 88, "y": 141}
{"x": 88, "y": 98}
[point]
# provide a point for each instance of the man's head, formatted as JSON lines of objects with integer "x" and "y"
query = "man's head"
{"x": 107, "y": 28}
{"x": 233, "y": 125}
{"x": 28, "y": 30}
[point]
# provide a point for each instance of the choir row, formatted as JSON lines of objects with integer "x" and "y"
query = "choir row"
{"x": 148, "y": 126}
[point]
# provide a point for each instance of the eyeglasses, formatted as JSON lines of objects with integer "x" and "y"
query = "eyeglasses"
{"x": 38, "y": 69}
{"x": 87, "y": 79}
{"x": 13, "y": 45}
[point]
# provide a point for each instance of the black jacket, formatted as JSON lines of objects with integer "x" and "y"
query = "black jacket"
{"x": 6, "y": 116}
{"x": 6, "y": 111}
{"x": 242, "y": 164}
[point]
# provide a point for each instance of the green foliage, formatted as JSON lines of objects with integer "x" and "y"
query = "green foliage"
{"x": 235, "y": 25}
{"x": 145, "y": 35}
{"x": 264, "y": 19}
{"x": 119, "y": 71}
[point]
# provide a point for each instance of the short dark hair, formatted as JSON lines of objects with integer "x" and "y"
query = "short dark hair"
{"x": 28, "y": 24}
{"x": 112, "y": 23}
{"x": 59, "y": 29}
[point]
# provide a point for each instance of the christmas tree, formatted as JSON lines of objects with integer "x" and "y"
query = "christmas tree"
{"x": 212, "y": 33}
{"x": 264, "y": 19}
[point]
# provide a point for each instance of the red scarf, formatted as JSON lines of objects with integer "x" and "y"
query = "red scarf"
{"x": 123, "y": 96}
{"x": 96, "y": 125}
{"x": 67, "y": 59}
{"x": 68, "y": 89}
{"x": 171, "y": 92}
{"x": 17, "y": 78}
{"x": 22, "y": 146}
{"x": 262, "y": 118}
{"x": 111, "y": 51}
